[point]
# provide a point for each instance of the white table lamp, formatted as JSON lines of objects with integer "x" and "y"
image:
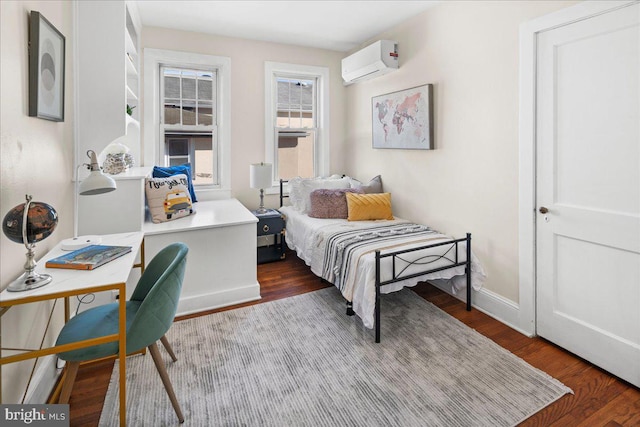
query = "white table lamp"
{"x": 95, "y": 183}
{"x": 260, "y": 176}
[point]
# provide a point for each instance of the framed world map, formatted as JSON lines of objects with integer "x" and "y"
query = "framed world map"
{"x": 403, "y": 119}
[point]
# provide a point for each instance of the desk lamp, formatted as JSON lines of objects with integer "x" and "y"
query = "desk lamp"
{"x": 95, "y": 183}
{"x": 260, "y": 177}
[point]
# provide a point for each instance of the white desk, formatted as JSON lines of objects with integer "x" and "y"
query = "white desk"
{"x": 67, "y": 283}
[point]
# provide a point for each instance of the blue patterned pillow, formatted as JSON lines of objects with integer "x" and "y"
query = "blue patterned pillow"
{"x": 165, "y": 172}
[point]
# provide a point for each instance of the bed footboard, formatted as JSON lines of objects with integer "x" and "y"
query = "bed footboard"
{"x": 399, "y": 266}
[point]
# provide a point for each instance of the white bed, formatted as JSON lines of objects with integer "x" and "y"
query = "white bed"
{"x": 309, "y": 237}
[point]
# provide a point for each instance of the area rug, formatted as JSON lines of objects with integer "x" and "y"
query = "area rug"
{"x": 301, "y": 361}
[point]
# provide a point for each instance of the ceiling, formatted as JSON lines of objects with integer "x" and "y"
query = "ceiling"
{"x": 333, "y": 25}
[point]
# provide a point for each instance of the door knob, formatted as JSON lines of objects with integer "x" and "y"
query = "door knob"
{"x": 543, "y": 210}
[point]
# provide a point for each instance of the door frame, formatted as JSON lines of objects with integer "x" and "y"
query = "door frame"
{"x": 527, "y": 145}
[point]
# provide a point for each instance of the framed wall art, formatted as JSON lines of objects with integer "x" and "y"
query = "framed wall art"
{"x": 46, "y": 69}
{"x": 403, "y": 119}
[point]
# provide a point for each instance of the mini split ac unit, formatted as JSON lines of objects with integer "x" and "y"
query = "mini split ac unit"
{"x": 374, "y": 60}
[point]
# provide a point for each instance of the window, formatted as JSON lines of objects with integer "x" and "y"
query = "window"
{"x": 189, "y": 121}
{"x": 186, "y": 116}
{"x": 297, "y": 127}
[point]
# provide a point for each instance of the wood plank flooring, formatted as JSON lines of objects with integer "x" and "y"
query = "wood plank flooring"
{"x": 599, "y": 400}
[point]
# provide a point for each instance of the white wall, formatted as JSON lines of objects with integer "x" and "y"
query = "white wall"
{"x": 36, "y": 158}
{"x": 247, "y": 96}
{"x": 469, "y": 183}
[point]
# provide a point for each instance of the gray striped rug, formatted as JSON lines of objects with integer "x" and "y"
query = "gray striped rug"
{"x": 301, "y": 361}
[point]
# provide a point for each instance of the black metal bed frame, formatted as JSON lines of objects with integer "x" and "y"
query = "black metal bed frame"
{"x": 397, "y": 276}
{"x": 400, "y": 265}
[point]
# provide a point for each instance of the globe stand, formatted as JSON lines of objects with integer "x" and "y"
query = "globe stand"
{"x": 29, "y": 279}
{"x": 29, "y": 234}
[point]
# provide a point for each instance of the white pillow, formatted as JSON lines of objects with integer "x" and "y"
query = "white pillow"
{"x": 294, "y": 192}
{"x": 300, "y": 189}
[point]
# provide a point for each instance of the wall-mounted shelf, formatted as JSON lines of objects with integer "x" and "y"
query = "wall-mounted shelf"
{"x": 131, "y": 67}
{"x": 108, "y": 75}
{"x": 131, "y": 95}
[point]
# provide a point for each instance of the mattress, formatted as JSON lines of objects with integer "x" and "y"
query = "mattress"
{"x": 309, "y": 237}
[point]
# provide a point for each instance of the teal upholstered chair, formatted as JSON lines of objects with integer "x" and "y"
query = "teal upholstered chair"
{"x": 150, "y": 313}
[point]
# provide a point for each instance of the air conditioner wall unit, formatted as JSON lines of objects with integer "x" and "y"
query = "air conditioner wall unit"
{"x": 374, "y": 60}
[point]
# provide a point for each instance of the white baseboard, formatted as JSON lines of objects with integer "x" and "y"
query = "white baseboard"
{"x": 218, "y": 299}
{"x": 43, "y": 381}
{"x": 491, "y": 304}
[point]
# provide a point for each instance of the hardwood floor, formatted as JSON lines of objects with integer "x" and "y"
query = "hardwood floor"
{"x": 599, "y": 400}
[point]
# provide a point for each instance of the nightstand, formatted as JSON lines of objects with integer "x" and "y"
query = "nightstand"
{"x": 270, "y": 236}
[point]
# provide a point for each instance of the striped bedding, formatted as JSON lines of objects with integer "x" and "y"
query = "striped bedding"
{"x": 343, "y": 253}
{"x": 340, "y": 248}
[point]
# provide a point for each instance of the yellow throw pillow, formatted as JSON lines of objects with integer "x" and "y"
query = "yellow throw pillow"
{"x": 364, "y": 207}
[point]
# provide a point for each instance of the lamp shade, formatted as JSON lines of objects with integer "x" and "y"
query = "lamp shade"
{"x": 260, "y": 175}
{"x": 96, "y": 182}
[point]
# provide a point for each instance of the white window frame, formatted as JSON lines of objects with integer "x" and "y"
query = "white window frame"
{"x": 154, "y": 144}
{"x": 321, "y": 154}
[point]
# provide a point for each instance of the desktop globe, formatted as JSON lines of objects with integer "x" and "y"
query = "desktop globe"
{"x": 37, "y": 224}
{"x": 41, "y": 221}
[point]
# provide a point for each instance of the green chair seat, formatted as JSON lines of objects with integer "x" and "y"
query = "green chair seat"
{"x": 94, "y": 323}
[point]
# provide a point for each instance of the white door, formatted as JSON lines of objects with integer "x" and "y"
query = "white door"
{"x": 588, "y": 178}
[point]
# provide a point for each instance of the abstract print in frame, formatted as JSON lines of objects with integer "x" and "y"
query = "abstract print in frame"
{"x": 404, "y": 119}
{"x": 46, "y": 69}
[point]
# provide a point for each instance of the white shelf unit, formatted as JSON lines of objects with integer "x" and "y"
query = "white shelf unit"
{"x": 132, "y": 62}
{"x": 107, "y": 76}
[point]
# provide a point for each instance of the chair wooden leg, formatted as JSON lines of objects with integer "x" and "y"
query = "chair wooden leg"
{"x": 168, "y": 347}
{"x": 157, "y": 359}
{"x": 69, "y": 379}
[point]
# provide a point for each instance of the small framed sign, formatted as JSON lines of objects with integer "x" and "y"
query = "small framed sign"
{"x": 46, "y": 69}
{"x": 403, "y": 119}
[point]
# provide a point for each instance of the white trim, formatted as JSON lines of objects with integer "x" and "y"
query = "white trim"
{"x": 152, "y": 60}
{"x": 239, "y": 294}
{"x": 500, "y": 308}
{"x": 76, "y": 97}
{"x": 527, "y": 145}
{"x": 43, "y": 381}
{"x": 323, "y": 141}
{"x": 490, "y": 303}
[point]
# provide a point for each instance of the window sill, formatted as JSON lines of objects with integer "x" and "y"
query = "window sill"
{"x": 206, "y": 194}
